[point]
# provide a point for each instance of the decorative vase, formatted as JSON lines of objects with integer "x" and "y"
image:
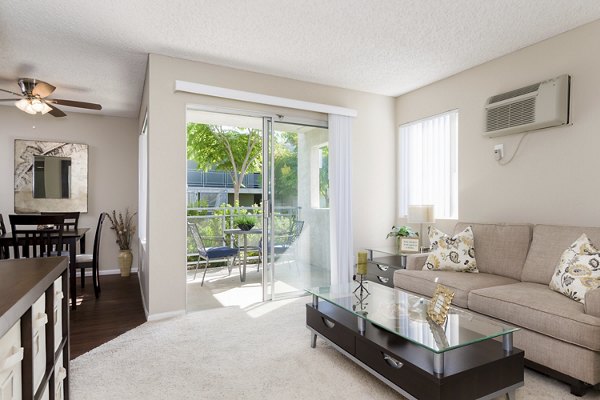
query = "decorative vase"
{"x": 398, "y": 240}
{"x": 125, "y": 260}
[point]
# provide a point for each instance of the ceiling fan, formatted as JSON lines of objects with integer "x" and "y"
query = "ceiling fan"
{"x": 34, "y": 99}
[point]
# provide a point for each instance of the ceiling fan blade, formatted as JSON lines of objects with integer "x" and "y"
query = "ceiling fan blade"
{"x": 8, "y": 91}
{"x": 42, "y": 89}
{"x": 55, "y": 112}
{"x": 9, "y": 99}
{"x": 79, "y": 104}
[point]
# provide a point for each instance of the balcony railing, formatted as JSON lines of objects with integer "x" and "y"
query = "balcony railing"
{"x": 220, "y": 179}
{"x": 213, "y": 221}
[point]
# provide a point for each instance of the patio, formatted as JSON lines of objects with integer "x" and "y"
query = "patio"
{"x": 223, "y": 290}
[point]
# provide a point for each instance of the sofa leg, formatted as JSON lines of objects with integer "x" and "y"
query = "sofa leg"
{"x": 579, "y": 388}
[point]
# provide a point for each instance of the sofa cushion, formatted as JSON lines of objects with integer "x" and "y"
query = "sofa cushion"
{"x": 536, "y": 307}
{"x": 424, "y": 282}
{"x": 501, "y": 249}
{"x": 578, "y": 270}
{"x": 454, "y": 253}
{"x": 548, "y": 244}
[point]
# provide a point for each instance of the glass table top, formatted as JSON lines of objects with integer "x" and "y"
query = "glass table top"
{"x": 405, "y": 315}
{"x": 391, "y": 250}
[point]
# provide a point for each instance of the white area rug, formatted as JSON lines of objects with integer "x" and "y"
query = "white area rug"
{"x": 258, "y": 353}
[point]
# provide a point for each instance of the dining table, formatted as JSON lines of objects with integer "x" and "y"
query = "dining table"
{"x": 70, "y": 238}
{"x": 244, "y": 234}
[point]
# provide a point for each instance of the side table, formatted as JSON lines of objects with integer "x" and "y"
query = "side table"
{"x": 380, "y": 269}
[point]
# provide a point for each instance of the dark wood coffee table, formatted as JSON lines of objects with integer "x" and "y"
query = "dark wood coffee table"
{"x": 387, "y": 333}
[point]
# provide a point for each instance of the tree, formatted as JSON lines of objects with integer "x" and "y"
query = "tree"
{"x": 286, "y": 168}
{"x": 230, "y": 149}
{"x": 324, "y": 176}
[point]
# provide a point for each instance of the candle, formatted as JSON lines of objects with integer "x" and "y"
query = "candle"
{"x": 361, "y": 266}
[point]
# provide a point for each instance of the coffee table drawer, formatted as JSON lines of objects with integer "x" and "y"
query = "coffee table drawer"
{"x": 334, "y": 331}
{"x": 396, "y": 370}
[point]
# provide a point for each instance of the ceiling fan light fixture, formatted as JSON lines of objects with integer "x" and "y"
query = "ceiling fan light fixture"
{"x": 46, "y": 108}
{"x": 25, "y": 105}
{"x": 37, "y": 105}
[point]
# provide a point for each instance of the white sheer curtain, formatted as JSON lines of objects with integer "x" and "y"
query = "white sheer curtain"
{"x": 340, "y": 188}
{"x": 428, "y": 164}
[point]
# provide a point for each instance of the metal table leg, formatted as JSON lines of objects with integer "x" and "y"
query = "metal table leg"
{"x": 438, "y": 363}
{"x": 245, "y": 255}
{"x": 507, "y": 342}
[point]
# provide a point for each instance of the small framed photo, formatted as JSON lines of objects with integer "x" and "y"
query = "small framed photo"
{"x": 409, "y": 245}
{"x": 439, "y": 304}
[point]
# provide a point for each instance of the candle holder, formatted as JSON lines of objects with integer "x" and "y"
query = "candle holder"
{"x": 361, "y": 304}
{"x": 360, "y": 279}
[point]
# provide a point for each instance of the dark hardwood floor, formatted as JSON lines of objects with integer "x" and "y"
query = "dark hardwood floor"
{"x": 96, "y": 321}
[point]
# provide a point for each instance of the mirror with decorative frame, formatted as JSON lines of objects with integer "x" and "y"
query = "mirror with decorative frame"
{"x": 50, "y": 176}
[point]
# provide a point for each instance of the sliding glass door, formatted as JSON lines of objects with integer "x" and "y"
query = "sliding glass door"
{"x": 273, "y": 173}
{"x": 296, "y": 184}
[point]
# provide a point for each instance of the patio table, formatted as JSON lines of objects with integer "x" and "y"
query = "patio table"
{"x": 244, "y": 235}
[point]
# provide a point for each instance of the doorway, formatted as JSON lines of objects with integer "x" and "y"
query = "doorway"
{"x": 272, "y": 173}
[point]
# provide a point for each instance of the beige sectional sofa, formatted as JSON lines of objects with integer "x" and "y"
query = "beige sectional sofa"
{"x": 560, "y": 336}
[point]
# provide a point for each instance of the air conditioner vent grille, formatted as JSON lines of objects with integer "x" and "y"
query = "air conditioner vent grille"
{"x": 510, "y": 115}
{"x": 514, "y": 93}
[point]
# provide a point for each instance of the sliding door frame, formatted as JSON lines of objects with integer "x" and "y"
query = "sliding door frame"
{"x": 268, "y": 181}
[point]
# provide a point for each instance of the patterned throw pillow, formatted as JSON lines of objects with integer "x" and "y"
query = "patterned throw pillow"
{"x": 455, "y": 253}
{"x": 578, "y": 270}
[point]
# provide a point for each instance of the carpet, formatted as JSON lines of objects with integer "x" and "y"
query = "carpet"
{"x": 261, "y": 352}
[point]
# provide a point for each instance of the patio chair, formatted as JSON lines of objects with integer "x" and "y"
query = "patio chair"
{"x": 285, "y": 243}
{"x": 209, "y": 254}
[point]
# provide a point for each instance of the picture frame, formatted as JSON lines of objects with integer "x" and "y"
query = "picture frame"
{"x": 74, "y": 195}
{"x": 439, "y": 305}
{"x": 409, "y": 245}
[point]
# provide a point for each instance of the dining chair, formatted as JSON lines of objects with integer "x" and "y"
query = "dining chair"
{"x": 36, "y": 235}
{"x": 83, "y": 261}
{"x": 209, "y": 254}
{"x": 71, "y": 219}
{"x": 4, "y": 249}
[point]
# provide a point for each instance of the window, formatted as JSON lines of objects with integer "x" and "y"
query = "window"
{"x": 319, "y": 176}
{"x": 428, "y": 164}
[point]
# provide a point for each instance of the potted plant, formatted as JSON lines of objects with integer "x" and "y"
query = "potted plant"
{"x": 244, "y": 222}
{"x": 400, "y": 232}
{"x": 124, "y": 230}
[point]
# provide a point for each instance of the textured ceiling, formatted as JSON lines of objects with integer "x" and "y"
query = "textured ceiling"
{"x": 97, "y": 51}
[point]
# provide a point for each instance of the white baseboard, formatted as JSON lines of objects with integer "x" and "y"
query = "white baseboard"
{"x": 160, "y": 316}
{"x": 88, "y": 272}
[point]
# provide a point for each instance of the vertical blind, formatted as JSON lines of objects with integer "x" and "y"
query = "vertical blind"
{"x": 428, "y": 164}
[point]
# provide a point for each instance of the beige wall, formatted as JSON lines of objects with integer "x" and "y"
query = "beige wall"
{"x": 551, "y": 179}
{"x": 373, "y": 152}
{"x": 112, "y": 169}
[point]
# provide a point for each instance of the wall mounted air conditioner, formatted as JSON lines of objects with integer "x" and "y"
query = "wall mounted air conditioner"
{"x": 537, "y": 106}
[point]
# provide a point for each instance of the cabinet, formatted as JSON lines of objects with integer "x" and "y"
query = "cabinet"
{"x": 34, "y": 329}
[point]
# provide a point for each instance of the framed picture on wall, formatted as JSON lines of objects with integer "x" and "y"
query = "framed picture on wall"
{"x": 50, "y": 176}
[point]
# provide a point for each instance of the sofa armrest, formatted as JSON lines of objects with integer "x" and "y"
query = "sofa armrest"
{"x": 592, "y": 303}
{"x": 416, "y": 261}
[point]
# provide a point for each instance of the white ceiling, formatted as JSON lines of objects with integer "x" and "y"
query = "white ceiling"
{"x": 97, "y": 51}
